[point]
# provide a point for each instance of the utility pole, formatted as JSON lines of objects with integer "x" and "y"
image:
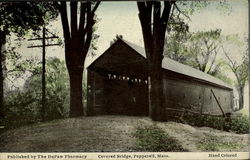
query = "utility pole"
{"x": 43, "y": 46}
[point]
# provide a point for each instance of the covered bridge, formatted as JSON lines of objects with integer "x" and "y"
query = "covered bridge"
{"x": 118, "y": 84}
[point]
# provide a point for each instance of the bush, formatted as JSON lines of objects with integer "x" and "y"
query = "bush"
{"x": 239, "y": 124}
{"x": 20, "y": 109}
{"x": 24, "y": 106}
{"x": 236, "y": 123}
{"x": 154, "y": 139}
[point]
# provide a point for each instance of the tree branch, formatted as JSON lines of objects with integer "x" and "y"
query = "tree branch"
{"x": 166, "y": 11}
{"x": 82, "y": 17}
{"x": 65, "y": 22}
{"x": 88, "y": 19}
{"x": 178, "y": 9}
{"x": 145, "y": 19}
{"x": 157, "y": 22}
{"x": 73, "y": 17}
{"x": 172, "y": 13}
{"x": 88, "y": 39}
{"x": 212, "y": 63}
{"x": 57, "y": 5}
{"x": 95, "y": 7}
{"x": 166, "y": 15}
{"x": 232, "y": 66}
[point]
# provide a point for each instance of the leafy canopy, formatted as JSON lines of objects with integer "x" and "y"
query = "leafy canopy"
{"x": 20, "y": 17}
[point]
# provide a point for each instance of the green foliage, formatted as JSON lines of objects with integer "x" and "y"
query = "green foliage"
{"x": 204, "y": 48}
{"x": 239, "y": 68}
{"x": 215, "y": 145}
{"x": 20, "y": 17}
{"x": 24, "y": 106}
{"x": 57, "y": 98}
{"x": 176, "y": 40}
{"x": 220, "y": 74}
{"x": 57, "y": 89}
{"x": 17, "y": 66}
{"x": 154, "y": 139}
{"x": 93, "y": 46}
{"x": 244, "y": 111}
{"x": 234, "y": 39}
{"x": 241, "y": 71}
{"x": 199, "y": 50}
{"x": 20, "y": 109}
{"x": 206, "y": 121}
{"x": 239, "y": 124}
{"x": 190, "y": 7}
{"x": 236, "y": 123}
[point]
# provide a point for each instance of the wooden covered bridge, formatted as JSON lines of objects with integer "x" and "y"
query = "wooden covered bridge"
{"x": 118, "y": 85}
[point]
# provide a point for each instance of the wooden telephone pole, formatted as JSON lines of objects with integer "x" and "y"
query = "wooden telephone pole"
{"x": 43, "y": 46}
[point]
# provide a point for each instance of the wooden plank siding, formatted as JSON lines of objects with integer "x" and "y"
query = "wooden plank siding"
{"x": 117, "y": 84}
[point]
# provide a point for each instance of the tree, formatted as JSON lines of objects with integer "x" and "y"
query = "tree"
{"x": 240, "y": 71}
{"x": 180, "y": 48}
{"x": 57, "y": 88}
{"x": 19, "y": 18}
{"x": 77, "y": 38}
{"x": 154, "y": 22}
{"x": 204, "y": 48}
{"x": 23, "y": 104}
{"x": 178, "y": 34}
{"x": 199, "y": 50}
{"x": 18, "y": 67}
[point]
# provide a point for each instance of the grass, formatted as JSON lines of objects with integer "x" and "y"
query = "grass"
{"x": 154, "y": 139}
{"x": 217, "y": 146}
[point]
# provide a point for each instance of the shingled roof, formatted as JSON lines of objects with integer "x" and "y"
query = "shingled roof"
{"x": 177, "y": 67}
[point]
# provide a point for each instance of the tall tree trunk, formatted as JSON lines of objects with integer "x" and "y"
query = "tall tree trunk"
{"x": 76, "y": 98}
{"x": 156, "y": 93}
{"x": 154, "y": 21}
{"x": 2, "y": 43}
{"x": 241, "y": 96}
{"x": 75, "y": 63}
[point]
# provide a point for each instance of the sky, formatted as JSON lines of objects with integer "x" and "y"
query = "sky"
{"x": 122, "y": 18}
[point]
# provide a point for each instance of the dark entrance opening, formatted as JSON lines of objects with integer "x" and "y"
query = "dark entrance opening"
{"x": 127, "y": 96}
{"x": 118, "y": 94}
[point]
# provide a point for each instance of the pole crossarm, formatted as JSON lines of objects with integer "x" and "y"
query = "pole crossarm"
{"x": 45, "y": 45}
{"x": 42, "y": 38}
